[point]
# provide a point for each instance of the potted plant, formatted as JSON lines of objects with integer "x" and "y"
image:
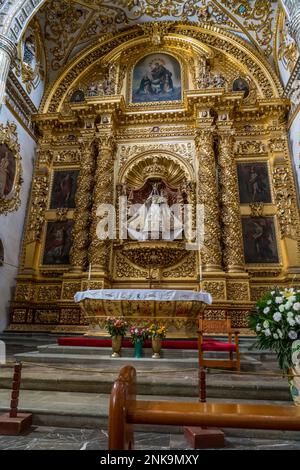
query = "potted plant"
{"x": 157, "y": 333}
{"x": 116, "y": 326}
{"x": 138, "y": 335}
{"x": 276, "y": 322}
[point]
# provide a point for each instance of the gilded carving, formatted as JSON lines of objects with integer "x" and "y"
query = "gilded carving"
{"x": 285, "y": 201}
{"x": 277, "y": 144}
{"x": 233, "y": 256}
{"x": 217, "y": 289}
{"x": 238, "y": 291}
{"x": 67, "y": 156}
{"x": 24, "y": 292}
{"x": 100, "y": 250}
{"x": 69, "y": 316}
{"x": 125, "y": 270}
{"x": 83, "y": 201}
{"x": 187, "y": 268}
{"x": 47, "y": 316}
{"x": 207, "y": 195}
{"x": 47, "y": 293}
{"x": 250, "y": 147}
{"x": 10, "y": 169}
{"x": 257, "y": 292}
{"x": 19, "y": 316}
{"x": 36, "y": 217}
{"x": 69, "y": 289}
{"x": 257, "y": 209}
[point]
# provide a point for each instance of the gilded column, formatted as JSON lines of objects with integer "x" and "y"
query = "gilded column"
{"x": 233, "y": 254}
{"x": 208, "y": 196}
{"x": 81, "y": 236}
{"x": 7, "y": 53}
{"x": 100, "y": 250}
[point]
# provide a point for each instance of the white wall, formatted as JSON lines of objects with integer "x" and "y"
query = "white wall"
{"x": 295, "y": 148}
{"x": 11, "y": 225}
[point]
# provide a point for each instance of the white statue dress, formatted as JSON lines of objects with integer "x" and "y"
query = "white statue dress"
{"x": 155, "y": 220}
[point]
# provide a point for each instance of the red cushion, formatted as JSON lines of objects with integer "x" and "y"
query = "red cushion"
{"x": 208, "y": 344}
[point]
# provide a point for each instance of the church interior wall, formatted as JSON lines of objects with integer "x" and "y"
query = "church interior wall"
{"x": 12, "y": 225}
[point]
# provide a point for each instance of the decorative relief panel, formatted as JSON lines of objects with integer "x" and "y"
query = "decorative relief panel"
{"x": 24, "y": 292}
{"x": 217, "y": 289}
{"x": 187, "y": 269}
{"x": 285, "y": 201}
{"x": 69, "y": 289}
{"x": 237, "y": 291}
{"x": 126, "y": 270}
{"x": 47, "y": 316}
{"x": 39, "y": 197}
{"x": 19, "y": 316}
{"x": 48, "y": 293}
{"x": 70, "y": 316}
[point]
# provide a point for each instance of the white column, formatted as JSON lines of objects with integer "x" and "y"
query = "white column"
{"x": 7, "y": 53}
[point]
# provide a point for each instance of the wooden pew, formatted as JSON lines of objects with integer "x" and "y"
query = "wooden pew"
{"x": 125, "y": 411}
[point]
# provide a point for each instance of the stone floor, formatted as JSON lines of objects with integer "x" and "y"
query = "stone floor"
{"x": 48, "y": 438}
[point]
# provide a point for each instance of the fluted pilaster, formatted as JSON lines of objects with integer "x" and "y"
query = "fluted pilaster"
{"x": 208, "y": 196}
{"x": 81, "y": 237}
{"x": 100, "y": 250}
{"x": 233, "y": 253}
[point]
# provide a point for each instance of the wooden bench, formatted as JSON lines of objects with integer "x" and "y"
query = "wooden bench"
{"x": 125, "y": 411}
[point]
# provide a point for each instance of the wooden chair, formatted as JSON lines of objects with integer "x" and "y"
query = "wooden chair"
{"x": 125, "y": 411}
{"x": 209, "y": 344}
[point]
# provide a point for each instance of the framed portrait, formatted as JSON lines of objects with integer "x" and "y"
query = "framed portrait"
{"x": 10, "y": 169}
{"x": 260, "y": 242}
{"x": 64, "y": 189}
{"x": 58, "y": 243}
{"x": 240, "y": 84}
{"x": 156, "y": 77}
{"x": 254, "y": 183}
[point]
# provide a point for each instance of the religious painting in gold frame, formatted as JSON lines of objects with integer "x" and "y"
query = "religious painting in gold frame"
{"x": 10, "y": 169}
{"x": 57, "y": 243}
{"x": 156, "y": 77}
{"x": 260, "y": 240}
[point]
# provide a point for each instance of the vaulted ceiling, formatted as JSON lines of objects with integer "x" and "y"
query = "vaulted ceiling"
{"x": 68, "y": 26}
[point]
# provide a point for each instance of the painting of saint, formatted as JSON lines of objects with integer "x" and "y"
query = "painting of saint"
{"x": 259, "y": 240}
{"x": 156, "y": 77}
{"x": 254, "y": 183}
{"x": 7, "y": 171}
{"x": 64, "y": 189}
{"x": 241, "y": 85}
{"x": 58, "y": 243}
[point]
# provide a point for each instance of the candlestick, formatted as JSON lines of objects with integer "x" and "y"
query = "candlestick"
{"x": 90, "y": 271}
{"x": 200, "y": 270}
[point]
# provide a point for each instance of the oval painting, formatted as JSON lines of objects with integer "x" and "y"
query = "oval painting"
{"x": 156, "y": 77}
{"x": 7, "y": 171}
{"x": 241, "y": 85}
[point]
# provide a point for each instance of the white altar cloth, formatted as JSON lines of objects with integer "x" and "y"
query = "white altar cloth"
{"x": 160, "y": 295}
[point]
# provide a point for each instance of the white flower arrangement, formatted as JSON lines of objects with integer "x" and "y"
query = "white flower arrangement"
{"x": 276, "y": 322}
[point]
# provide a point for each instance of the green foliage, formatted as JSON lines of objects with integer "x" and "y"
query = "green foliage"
{"x": 276, "y": 322}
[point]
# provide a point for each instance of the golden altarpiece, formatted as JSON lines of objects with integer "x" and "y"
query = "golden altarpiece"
{"x": 193, "y": 108}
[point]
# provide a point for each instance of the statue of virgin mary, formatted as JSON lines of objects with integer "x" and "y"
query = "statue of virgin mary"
{"x": 155, "y": 220}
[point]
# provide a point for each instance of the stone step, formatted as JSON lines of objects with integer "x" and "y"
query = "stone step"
{"x": 159, "y": 381}
{"x": 99, "y": 360}
{"x": 88, "y": 410}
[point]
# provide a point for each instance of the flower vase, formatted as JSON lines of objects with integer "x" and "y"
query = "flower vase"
{"x": 138, "y": 347}
{"x": 116, "y": 344}
{"x": 156, "y": 347}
